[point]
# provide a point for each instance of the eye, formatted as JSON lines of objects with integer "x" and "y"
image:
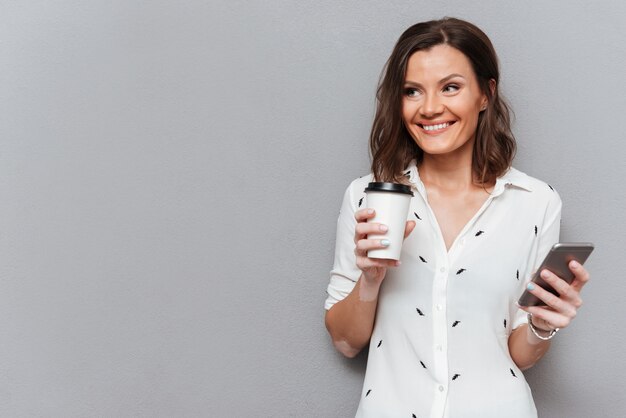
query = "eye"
{"x": 451, "y": 88}
{"x": 411, "y": 92}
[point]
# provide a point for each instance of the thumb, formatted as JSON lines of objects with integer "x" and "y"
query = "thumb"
{"x": 410, "y": 225}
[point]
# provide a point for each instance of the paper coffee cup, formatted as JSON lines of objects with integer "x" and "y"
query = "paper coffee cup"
{"x": 391, "y": 202}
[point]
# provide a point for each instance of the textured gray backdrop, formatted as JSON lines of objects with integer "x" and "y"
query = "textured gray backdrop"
{"x": 171, "y": 173}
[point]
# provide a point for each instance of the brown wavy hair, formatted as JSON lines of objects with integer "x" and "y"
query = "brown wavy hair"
{"x": 391, "y": 146}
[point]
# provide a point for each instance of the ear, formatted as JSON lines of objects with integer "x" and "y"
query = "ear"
{"x": 492, "y": 88}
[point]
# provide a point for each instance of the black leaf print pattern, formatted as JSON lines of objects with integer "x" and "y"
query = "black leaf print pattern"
{"x": 360, "y": 202}
{"x": 551, "y": 188}
{"x": 368, "y": 392}
{"x": 417, "y": 216}
{"x": 512, "y": 372}
{"x": 419, "y": 312}
{"x": 423, "y": 259}
{"x": 504, "y": 322}
{"x": 455, "y": 323}
{"x": 517, "y": 275}
{"x": 422, "y": 363}
{"x": 479, "y": 233}
{"x": 379, "y": 343}
{"x": 456, "y": 376}
{"x": 413, "y": 416}
{"x": 460, "y": 271}
{"x": 536, "y": 230}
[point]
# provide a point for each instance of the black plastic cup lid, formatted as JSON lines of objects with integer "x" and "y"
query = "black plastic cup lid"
{"x": 389, "y": 187}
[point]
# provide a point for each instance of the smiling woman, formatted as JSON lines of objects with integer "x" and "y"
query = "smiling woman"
{"x": 446, "y": 337}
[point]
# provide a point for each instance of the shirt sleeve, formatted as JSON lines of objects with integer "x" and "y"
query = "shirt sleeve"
{"x": 546, "y": 238}
{"x": 345, "y": 272}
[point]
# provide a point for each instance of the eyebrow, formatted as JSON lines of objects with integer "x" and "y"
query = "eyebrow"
{"x": 442, "y": 81}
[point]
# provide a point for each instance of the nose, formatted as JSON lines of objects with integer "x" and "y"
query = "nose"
{"x": 431, "y": 106}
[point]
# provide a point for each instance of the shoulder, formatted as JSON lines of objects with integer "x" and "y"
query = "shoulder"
{"x": 539, "y": 190}
{"x": 358, "y": 185}
{"x": 354, "y": 195}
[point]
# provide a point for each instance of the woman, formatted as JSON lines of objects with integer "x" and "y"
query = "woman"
{"x": 446, "y": 337}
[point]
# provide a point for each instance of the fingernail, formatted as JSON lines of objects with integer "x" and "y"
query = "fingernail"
{"x": 384, "y": 242}
{"x": 545, "y": 274}
{"x": 383, "y": 228}
{"x": 398, "y": 262}
{"x": 575, "y": 264}
{"x": 370, "y": 211}
{"x": 530, "y": 286}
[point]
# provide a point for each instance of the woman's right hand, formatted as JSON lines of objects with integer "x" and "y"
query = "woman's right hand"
{"x": 373, "y": 269}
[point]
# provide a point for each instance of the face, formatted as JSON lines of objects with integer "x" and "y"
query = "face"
{"x": 441, "y": 101}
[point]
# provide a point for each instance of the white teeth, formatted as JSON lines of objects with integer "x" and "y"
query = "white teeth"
{"x": 435, "y": 127}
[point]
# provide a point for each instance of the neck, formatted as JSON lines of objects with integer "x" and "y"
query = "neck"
{"x": 447, "y": 171}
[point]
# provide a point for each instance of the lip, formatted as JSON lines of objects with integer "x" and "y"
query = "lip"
{"x": 436, "y": 131}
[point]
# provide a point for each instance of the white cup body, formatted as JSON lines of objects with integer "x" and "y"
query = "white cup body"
{"x": 392, "y": 210}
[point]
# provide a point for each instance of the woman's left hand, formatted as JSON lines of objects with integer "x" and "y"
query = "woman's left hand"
{"x": 562, "y": 309}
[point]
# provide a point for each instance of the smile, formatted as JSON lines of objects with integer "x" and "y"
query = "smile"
{"x": 437, "y": 127}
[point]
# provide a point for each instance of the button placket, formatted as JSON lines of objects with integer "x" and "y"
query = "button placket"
{"x": 440, "y": 336}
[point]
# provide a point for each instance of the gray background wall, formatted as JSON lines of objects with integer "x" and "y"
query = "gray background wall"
{"x": 171, "y": 173}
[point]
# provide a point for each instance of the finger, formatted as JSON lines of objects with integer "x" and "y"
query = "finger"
{"x": 563, "y": 288}
{"x": 410, "y": 226}
{"x": 363, "y": 215}
{"x": 363, "y": 229}
{"x": 581, "y": 275}
{"x": 552, "y": 319}
{"x": 538, "y": 322}
{"x": 366, "y": 263}
{"x": 364, "y": 245}
{"x": 551, "y": 300}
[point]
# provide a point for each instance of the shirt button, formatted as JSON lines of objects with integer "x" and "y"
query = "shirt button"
{"x": 443, "y": 269}
{"x": 439, "y": 347}
{"x": 439, "y": 307}
{"x": 441, "y": 388}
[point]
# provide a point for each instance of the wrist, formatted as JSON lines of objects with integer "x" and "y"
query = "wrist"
{"x": 540, "y": 333}
{"x": 368, "y": 289}
{"x": 531, "y": 321}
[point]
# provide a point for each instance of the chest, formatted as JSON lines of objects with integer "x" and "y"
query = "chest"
{"x": 454, "y": 210}
{"x": 486, "y": 266}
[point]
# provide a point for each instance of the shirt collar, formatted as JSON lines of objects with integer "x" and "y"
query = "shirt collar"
{"x": 511, "y": 178}
{"x": 515, "y": 178}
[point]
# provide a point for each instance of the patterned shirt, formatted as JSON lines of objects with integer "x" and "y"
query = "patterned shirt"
{"x": 439, "y": 347}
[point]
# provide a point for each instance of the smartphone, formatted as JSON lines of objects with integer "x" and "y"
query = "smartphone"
{"x": 557, "y": 262}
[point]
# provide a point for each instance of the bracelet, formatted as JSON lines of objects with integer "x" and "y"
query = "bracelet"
{"x": 534, "y": 330}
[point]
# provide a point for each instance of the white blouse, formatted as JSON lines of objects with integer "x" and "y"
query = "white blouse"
{"x": 439, "y": 347}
